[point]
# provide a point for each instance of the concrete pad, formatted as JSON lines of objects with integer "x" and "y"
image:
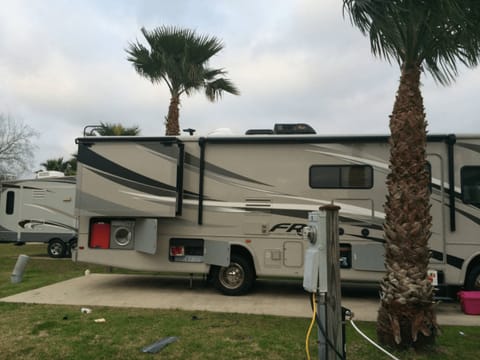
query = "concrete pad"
{"x": 283, "y": 298}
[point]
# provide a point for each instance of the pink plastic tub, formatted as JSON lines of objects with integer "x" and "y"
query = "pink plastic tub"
{"x": 470, "y": 302}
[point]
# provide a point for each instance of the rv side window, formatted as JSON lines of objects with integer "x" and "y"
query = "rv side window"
{"x": 341, "y": 177}
{"x": 470, "y": 178}
{"x": 10, "y": 202}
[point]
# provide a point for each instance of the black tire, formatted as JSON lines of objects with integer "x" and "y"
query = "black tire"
{"x": 56, "y": 248}
{"x": 235, "y": 279}
{"x": 473, "y": 279}
{"x": 72, "y": 245}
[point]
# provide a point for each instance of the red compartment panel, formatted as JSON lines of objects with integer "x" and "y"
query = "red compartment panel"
{"x": 100, "y": 235}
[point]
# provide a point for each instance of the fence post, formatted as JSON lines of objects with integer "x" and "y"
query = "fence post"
{"x": 332, "y": 302}
{"x": 17, "y": 274}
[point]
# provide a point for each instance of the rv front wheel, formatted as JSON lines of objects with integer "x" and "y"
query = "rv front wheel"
{"x": 473, "y": 279}
{"x": 235, "y": 279}
{"x": 56, "y": 248}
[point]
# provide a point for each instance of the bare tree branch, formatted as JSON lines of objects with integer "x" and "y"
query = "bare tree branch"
{"x": 16, "y": 147}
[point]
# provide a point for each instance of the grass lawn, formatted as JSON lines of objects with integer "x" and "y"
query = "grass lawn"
{"x": 30, "y": 331}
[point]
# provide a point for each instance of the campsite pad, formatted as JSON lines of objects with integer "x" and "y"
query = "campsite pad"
{"x": 284, "y": 298}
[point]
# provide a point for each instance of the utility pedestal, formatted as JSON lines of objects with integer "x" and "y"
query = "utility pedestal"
{"x": 322, "y": 277}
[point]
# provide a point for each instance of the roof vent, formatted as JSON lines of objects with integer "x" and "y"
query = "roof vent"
{"x": 286, "y": 129}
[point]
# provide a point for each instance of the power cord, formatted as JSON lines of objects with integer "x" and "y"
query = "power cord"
{"x": 348, "y": 314}
{"x": 370, "y": 340}
{"x": 314, "y": 316}
{"x": 322, "y": 330}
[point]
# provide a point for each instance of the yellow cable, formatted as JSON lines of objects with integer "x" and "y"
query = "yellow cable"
{"x": 314, "y": 316}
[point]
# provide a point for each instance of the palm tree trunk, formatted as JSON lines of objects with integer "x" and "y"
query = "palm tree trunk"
{"x": 172, "y": 126}
{"x": 406, "y": 316}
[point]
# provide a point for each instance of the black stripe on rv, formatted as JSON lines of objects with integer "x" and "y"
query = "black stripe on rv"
{"x": 471, "y": 217}
{"x": 458, "y": 196}
{"x": 374, "y": 239}
{"x": 163, "y": 148}
{"x": 451, "y": 260}
{"x": 32, "y": 224}
{"x": 121, "y": 175}
{"x": 195, "y": 162}
{"x": 472, "y": 147}
{"x": 303, "y": 214}
{"x": 134, "y": 184}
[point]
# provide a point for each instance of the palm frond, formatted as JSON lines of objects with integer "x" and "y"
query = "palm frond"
{"x": 215, "y": 89}
{"x": 434, "y": 35}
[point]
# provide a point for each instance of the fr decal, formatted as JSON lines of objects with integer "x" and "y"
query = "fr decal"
{"x": 288, "y": 228}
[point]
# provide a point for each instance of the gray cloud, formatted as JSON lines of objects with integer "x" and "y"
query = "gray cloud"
{"x": 63, "y": 66}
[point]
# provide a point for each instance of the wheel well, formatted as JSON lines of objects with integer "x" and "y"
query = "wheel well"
{"x": 240, "y": 250}
{"x": 475, "y": 262}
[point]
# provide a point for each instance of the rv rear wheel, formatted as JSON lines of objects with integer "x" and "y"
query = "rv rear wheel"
{"x": 235, "y": 279}
{"x": 473, "y": 279}
{"x": 56, "y": 248}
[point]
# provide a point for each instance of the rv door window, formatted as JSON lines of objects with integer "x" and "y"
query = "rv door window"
{"x": 10, "y": 202}
{"x": 470, "y": 178}
{"x": 341, "y": 177}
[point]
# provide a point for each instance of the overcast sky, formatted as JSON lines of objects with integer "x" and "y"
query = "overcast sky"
{"x": 63, "y": 66}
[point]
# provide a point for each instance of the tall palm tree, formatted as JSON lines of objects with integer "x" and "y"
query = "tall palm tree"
{"x": 179, "y": 57}
{"x": 419, "y": 35}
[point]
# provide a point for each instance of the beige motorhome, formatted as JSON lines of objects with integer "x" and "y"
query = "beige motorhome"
{"x": 39, "y": 210}
{"x": 234, "y": 207}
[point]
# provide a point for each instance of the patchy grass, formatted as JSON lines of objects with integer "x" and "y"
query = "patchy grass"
{"x": 52, "y": 332}
{"x": 63, "y": 332}
{"x": 41, "y": 270}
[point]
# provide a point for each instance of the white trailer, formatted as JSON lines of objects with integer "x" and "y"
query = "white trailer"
{"x": 39, "y": 210}
{"x": 234, "y": 207}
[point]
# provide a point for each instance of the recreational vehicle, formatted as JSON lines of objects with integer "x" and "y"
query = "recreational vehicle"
{"x": 234, "y": 207}
{"x": 39, "y": 210}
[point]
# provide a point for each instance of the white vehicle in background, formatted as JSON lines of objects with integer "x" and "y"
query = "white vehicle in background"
{"x": 234, "y": 207}
{"x": 40, "y": 210}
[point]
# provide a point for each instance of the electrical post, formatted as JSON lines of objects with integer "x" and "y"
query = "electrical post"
{"x": 322, "y": 277}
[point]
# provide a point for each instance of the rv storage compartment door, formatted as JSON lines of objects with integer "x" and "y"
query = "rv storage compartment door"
{"x": 100, "y": 235}
{"x": 146, "y": 235}
{"x": 217, "y": 253}
{"x": 128, "y": 178}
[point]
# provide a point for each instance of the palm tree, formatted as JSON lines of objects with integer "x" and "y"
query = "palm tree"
{"x": 179, "y": 57}
{"x": 108, "y": 129}
{"x": 67, "y": 167}
{"x": 419, "y": 35}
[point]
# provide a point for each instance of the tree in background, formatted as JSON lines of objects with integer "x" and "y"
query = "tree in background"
{"x": 419, "y": 35}
{"x": 68, "y": 167}
{"x": 109, "y": 129}
{"x": 179, "y": 57}
{"x": 16, "y": 147}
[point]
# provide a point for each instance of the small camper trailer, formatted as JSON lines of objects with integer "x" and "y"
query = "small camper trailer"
{"x": 234, "y": 207}
{"x": 39, "y": 210}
